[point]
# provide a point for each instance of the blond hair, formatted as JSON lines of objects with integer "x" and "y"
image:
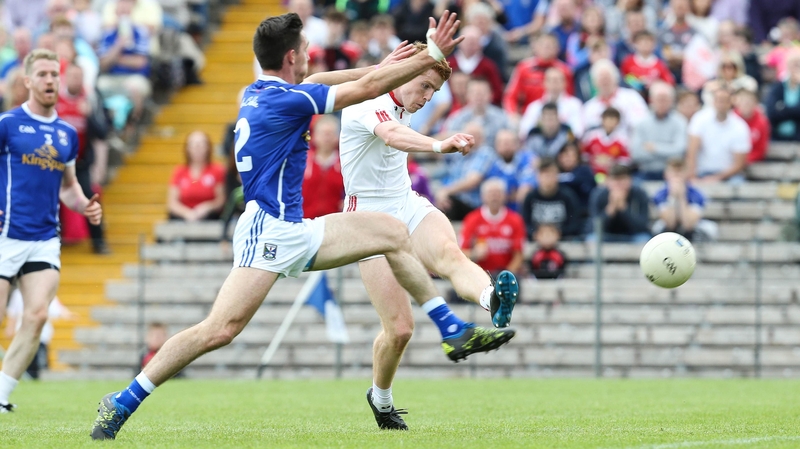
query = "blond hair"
{"x": 37, "y": 54}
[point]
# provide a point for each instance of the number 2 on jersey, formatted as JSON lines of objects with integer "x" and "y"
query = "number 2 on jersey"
{"x": 243, "y": 134}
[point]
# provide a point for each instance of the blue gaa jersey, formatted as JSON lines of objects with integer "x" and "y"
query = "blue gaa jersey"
{"x": 34, "y": 152}
{"x": 272, "y": 140}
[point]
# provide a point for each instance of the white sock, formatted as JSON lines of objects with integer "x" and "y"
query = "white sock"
{"x": 486, "y": 297}
{"x": 145, "y": 383}
{"x": 382, "y": 399}
{"x": 7, "y": 385}
{"x": 433, "y": 303}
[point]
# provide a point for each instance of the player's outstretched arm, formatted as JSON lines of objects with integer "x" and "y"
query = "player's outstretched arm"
{"x": 72, "y": 195}
{"x": 406, "y": 139}
{"x": 385, "y": 79}
{"x": 403, "y": 51}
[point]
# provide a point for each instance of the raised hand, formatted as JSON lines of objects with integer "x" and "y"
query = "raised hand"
{"x": 403, "y": 51}
{"x": 445, "y": 30}
{"x": 458, "y": 143}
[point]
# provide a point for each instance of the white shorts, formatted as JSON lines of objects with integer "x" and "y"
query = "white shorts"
{"x": 264, "y": 242}
{"x": 23, "y": 256}
{"x": 411, "y": 210}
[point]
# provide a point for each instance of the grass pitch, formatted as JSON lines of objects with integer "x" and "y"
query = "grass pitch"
{"x": 519, "y": 413}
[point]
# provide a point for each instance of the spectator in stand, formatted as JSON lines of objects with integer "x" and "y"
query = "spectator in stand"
{"x": 16, "y": 93}
{"x": 628, "y": 102}
{"x": 23, "y": 43}
{"x": 579, "y": 44}
{"x": 315, "y": 29}
{"x": 479, "y": 108}
{"x": 634, "y": 23}
{"x": 570, "y": 109}
{"x": 125, "y": 60}
{"x": 623, "y": 208}
{"x": 513, "y": 166}
{"x": 789, "y": 34}
{"x": 765, "y": 15}
{"x": 469, "y": 58}
{"x": 460, "y": 8}
{"x": 675, "y": 35}
{"x": 680, "y": 205}
{"x": 731, "y": 74}
{"x": 568, "y": 24}
{"x": 576, "y": 176}
{"x": 641, "y": 69}
{"x": 659, "y": 137}
{"x": 547, "y": 261}
{"x": 618, "y": 18}
{"x": 88, "y": 23}
{"x": 783, "y": 102}
{"x": 482, "y": 16}
{"x": 359, "y": 35}
{"x": 606, "y": 145}
{"x": 154, "y": 339}
{"x": 75, "y": 108}
{"x": 743, "y": 43}
{"x": 719, "y": 142}
{"x": 732, "y": 10}
{"x": 492, "y": 236}
{"x": 585, "y": 87}
{"x": 458, "y": 88}
{"x": 525, "y": 18}
{"x": 748, "y": 108}
{"x": 546, "y": 139}
{"x": 411, "y": 19}
{"x": 143, "y": 13}
{"x": 382, "y": 37}
{"x": 323, "y": 186}
{"x": 527, "y": 81}
{"x": 197, "y": 190}
{"x": 338, "y": 53}
{"x": 687, "y": 104}
{"x": 550, "y": 203}
{"x": 702, "y": 20}
{"x": 27, "y": 14}
{"x": 460, "y": 194}
{"x": 362, "y": 9}
{"x": 64, "y": 31}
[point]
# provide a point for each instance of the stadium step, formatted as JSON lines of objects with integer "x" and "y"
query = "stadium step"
{"x": 136, "y": 199}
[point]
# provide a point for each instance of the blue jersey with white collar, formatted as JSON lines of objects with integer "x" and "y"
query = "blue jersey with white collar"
{"x": 272, "y": 140}
{"x": 34, "y": 152}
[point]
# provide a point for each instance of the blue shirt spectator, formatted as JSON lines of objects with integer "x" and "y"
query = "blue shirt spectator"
{"x": 693, "y": 197}
{"x": 139, "y": 45}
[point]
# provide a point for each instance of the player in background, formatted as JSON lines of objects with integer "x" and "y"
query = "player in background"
{"x": 271, "y": 239}
{"x": 373, "y": 147}
{"x": 37, "y": 169}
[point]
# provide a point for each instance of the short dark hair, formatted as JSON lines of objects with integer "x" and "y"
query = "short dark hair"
{"x": 274, "y": 37}
{"x": 745, "y": 33}
{"x": 643, "y": 34}
{"x": 611, "y": 112}
{"x": 550, "y": 106}
{"x": 336, "y": 16}
{"x": 547, "y": 163}
{"x": 676, "y": 163}
{"x": 619, "y": 171}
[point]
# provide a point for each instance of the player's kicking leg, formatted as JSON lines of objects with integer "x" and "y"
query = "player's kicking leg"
{"x": 38, "y": 289}
{"x": 340, "y": 239}
{"x": 435, "y": 244}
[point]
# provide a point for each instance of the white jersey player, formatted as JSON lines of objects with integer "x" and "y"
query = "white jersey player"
{"x": 374, "y": 144}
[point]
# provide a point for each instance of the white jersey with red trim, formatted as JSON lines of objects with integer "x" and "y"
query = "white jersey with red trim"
{"x": 370, "y": 167}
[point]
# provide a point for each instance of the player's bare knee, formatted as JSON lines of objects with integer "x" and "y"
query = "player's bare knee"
{"x": 35, "y": 319}
{"x": 396, "y": 235}
{"x": 449, "y": 260}
{"x": 400, "y": 333}
{"x": 222, "y": 336}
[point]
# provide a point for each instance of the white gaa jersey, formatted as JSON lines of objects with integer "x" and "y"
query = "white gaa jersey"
{"x": 371, "y": 168}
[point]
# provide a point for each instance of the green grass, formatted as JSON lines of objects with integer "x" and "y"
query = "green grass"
{"x": 562, "y": 413}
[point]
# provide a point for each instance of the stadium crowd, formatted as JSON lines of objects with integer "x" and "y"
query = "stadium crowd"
{"x": 112, "y": 54}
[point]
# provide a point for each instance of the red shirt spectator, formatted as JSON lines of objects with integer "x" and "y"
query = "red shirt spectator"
{"x": 197, "y": 189}
{"x": 641, "y": 72}
{"x": 73, "y": 105}
{"x": 605, "y": 149}
{"x": 469, "y": 59}
{"x": 527, "y": 82}
{"x": 748, "y": 108}
{"x": 323, "y": 185}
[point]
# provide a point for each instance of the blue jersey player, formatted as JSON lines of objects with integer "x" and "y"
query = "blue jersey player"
{"x": 271, "y": 239}
{"x": 37, "y": 168}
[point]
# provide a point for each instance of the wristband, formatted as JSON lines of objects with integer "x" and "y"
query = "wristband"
{"x": 433, "y": 49}
{"x": 437, "y": 146}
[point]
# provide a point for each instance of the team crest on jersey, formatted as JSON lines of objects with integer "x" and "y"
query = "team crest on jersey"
{"x": 45, "y": 157}
{"x": 62, "y": 138}
{"x": 270, "y": 251}
{"x": 307, "y": 135}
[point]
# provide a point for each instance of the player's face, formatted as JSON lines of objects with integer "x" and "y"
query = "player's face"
{"x": 43, "y": 82}
{"x": 419, "y": 91}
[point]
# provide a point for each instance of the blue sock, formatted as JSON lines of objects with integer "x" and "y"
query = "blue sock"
{"x": 135, "y": 394}
{"x": 449, "y": 324}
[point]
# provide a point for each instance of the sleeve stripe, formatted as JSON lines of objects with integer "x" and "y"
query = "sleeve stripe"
{"x": 329, "y": 103}
{"x": 314, "y": 103}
